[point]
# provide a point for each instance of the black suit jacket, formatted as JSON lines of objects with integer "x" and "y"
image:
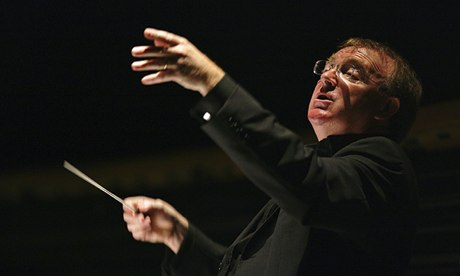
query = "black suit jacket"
{"x": 345, "y": 206}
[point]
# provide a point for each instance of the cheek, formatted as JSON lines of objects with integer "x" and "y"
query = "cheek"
{"x": 365, "y": 103}
{"x": 371, "y": 98}
{"x": 355, "y": 95}
{"x": 345, "y": 95}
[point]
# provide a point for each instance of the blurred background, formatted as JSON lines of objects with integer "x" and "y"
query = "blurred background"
{"x": 68, "y": 93}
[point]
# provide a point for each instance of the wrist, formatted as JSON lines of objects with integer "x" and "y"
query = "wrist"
{"x": 211, "y": 82}
{"x": 178, "y": 235}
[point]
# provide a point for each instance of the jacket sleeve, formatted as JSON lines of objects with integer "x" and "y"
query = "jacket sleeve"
{"x": 198, "y": 255}
{"x": 331, "y": 192}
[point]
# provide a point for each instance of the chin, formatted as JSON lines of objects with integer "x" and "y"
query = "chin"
{"x": 318, "y": 116}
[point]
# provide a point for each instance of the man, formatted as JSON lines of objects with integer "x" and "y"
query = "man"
{"x": 345, "y": 206}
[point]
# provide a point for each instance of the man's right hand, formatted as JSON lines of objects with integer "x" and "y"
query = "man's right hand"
{"x": 156, "y": 222}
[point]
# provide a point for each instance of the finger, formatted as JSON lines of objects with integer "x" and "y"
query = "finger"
{"x": 156, "y": 78}
{"x": 180, "y": 50}
{"x": 165, "y": 207}
{"x": 134, "y": 226}
{"x": 137, "y": 226}
{"x": 134, "y": 201}
{"x": 130, "y": 217}
{"x": 146, "y": 223}
{"x": 154, "y": 65}
{"x": 142, "y": 236}
{"x": 128, "y": 210}
{"x": 138, "y": 235}
{"x": 127, "y": 217}
{"x": 147, "y": 51}
{"x": 150, "y": 51}
{"x": 163, "y": 37}
{"x": 153, "y": 206}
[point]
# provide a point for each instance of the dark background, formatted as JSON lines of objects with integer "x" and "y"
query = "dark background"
{"x": 67, "y": 92}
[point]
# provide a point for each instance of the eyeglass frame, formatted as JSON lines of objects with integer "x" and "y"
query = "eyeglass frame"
{"x": 339, "y": 73}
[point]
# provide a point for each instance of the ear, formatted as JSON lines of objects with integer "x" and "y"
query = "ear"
{"x": 389, "y": 108}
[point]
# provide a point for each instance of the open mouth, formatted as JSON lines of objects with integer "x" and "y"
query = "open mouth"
{"x": 324, "y": 97}
{"x": 323, "y": 101}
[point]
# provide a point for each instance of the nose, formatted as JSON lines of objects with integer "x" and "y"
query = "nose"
{"x": 329, "y": 79}
{"x": 327, "y": 86}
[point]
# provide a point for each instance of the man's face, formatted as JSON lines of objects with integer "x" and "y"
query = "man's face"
{"x": 346, "y": 100}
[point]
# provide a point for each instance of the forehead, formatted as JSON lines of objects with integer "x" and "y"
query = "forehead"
{"x": 375, "y": 62}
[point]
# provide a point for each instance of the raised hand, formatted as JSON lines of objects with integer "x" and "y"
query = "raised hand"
{"x": 174, "y": 58}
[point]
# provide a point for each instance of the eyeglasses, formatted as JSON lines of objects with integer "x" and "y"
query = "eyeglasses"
{"x": 347, "y": 71}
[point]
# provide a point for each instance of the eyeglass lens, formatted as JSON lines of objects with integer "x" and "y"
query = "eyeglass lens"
{"x": 347, "y": 71}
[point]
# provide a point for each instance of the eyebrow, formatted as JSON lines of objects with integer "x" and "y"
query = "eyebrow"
{"x": 355, "y": 62}
{"x": 358, "y": 58}
{"x": 363, "y": 62}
